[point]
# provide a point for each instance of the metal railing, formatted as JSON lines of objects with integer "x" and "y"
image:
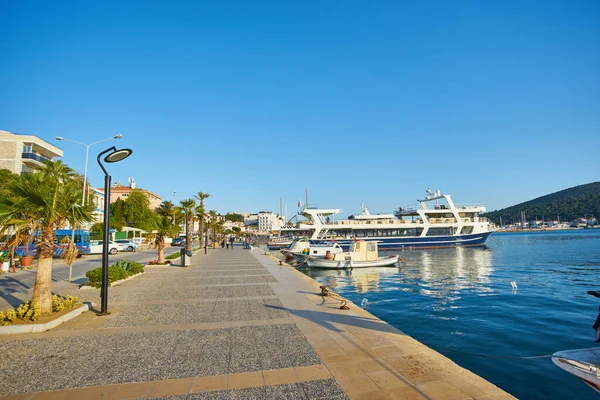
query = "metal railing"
{"x": 34, "y": 156}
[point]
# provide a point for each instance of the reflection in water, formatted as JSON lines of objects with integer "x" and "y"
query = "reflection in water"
{"x": 361, "y": 280}
{"x": 444, "y": 273}
{"x": 439, "y": 273}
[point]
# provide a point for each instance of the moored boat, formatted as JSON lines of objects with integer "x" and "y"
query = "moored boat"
{"x": 317, "y": 250}
{"x": 279, "y": 242}
{"x": 583, "y": 363}
{"x": 437, "y": 223}
{"x": 362, "y": 254}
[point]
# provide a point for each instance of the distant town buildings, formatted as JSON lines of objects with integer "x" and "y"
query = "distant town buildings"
{"x": 25, "y": 153}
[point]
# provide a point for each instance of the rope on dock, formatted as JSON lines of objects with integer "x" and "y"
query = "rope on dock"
{"x": 486, "y": 355}
{"x": 326, "y": 292}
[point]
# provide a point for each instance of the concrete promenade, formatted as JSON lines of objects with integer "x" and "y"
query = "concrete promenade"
{"x": 235, "y": 325}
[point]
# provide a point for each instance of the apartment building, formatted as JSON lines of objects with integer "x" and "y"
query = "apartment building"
{"x": 119, "y": 191}
{"x": 267, "y": 222}
{"x": 25, "y": 153}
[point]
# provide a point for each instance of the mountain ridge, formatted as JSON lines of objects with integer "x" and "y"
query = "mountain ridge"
{"x": 566, "y": 205}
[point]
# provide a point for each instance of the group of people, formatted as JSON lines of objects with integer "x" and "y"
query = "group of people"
{"x": 228, "y": 242}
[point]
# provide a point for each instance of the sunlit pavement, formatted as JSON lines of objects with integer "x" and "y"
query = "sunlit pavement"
{"x": 15, "y": 287}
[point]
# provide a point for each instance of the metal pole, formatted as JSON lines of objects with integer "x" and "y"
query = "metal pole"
{"x": 105, "y": 238}
{"x": 87, "y": 151}
{"x": 205, "y": 237}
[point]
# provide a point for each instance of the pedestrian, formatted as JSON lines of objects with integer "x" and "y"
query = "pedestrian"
{"x": 231, "y": 240}
{"x": 223, "y": 243}
{"x": 247, "y": 242}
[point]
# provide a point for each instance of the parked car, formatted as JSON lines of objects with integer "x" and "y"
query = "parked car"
{"x": 128, "y": 245}
{"x": 178, "y": 241}
{"x": 96, "y": 247}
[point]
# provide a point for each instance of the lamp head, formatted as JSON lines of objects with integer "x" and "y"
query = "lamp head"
{"x": 118, "y": 155}
{"x": 58, "y": 138}
{"x": 119, "y": 136}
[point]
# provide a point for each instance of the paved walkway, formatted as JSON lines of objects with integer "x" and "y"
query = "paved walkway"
{"x": 235, "y": 325}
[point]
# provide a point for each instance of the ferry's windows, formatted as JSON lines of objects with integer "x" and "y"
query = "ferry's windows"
{"x": 466, "y": 230}
{"x": 439, "y": 232}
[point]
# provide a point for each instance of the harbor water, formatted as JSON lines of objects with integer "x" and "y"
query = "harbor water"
{"x": 460, "y": 300}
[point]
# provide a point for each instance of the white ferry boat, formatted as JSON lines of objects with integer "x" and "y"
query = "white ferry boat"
{"x": 437, "y": 223}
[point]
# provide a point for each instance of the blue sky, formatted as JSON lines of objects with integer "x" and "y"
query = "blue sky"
{"x": 374, "y": 102}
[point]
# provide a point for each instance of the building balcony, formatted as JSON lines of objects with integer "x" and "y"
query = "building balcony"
{"x": 34, "y": 160}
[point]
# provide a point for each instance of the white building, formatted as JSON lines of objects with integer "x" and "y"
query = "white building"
{"x": 25, "y": 153}
{"x": 267, "y": 222}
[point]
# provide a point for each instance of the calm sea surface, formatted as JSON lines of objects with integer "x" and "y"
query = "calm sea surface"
{"x": 462, "y": 299}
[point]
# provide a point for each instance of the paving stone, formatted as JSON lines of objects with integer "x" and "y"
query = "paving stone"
{"x": 293, "y": 391}
{"x": 323, "y": 389}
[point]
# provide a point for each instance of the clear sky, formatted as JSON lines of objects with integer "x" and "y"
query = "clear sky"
{"x": 494, "y": 102}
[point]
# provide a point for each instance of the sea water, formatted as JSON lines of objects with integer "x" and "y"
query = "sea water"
{"x": 462, "y": 299}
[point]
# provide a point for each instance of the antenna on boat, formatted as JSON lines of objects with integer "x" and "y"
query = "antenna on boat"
{"x": 306, "y": 197}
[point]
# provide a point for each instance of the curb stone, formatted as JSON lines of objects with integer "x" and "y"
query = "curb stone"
{"x": 34, "y": 328}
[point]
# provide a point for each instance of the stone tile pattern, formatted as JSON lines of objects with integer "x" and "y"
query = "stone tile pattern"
{"x": 313, "y": 390}
{"x": 76, "y": 357}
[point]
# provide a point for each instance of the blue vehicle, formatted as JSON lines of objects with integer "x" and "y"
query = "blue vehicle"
{"x": 81, "y": 239}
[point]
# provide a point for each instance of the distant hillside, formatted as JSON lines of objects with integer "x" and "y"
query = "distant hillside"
{"x": 569, "y": 204}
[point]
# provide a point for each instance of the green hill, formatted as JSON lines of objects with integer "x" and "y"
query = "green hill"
{"x": 569, "y": 204}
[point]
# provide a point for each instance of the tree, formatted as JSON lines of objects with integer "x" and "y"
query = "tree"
{"x": 213, "y": 224}
{"x": 166, "y": 209}
{"x": 135, "y": 212}
{"x": 234, "y": 217}
{"x": 201, "y": 214}
{"x": 187, "y": 206}
{"x": 163, "y": 228}
{"x": 38, "y": 203}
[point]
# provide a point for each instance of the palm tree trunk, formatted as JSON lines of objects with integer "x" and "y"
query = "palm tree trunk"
{"x": 201, "y": 231}
{"x": 188, "y": 237}
{"x": 161, "y": 253}
{"x": 42, "y": 289}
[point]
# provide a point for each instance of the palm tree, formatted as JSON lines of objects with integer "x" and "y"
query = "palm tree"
{"x": 201, "y": 211}
{"x": 213, "y": 224}
{"x": 187, "y": 206}
{"x": 166, "y": 209}
{"x": 38, "y": 204}
{"x": 163, "y": 228}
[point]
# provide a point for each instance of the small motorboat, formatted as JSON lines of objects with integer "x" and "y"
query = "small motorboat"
{"x": 319, "y": 250}
{"x": 279, "y": 242}
{"x": 362, "y": 254}
{"x": 583, "y": 363}
{"x": 297, "y": 246}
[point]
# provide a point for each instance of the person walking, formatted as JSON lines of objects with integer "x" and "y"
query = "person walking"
{"x": 231, "y": 240}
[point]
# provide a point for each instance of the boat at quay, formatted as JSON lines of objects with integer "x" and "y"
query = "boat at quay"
{"x": 438, "y": 222}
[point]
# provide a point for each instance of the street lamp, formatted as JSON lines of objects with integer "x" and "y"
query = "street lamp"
{"x": 113, "y": 156}
{"x": 87, "y": 150}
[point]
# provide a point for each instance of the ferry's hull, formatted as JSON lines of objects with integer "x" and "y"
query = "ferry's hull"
{"x": 314, "y": 262}
{"x": 413, "y": 242}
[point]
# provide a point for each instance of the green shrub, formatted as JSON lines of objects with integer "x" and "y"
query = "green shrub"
{"x": 135, "y": 268}
{"x": 115, "y": 273}
{"x": 172, "y": 256}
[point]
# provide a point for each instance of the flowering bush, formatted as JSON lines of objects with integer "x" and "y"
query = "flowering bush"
{"x": 155, "y": 262}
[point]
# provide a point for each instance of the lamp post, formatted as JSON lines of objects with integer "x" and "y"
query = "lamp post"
{"x": 87, "y": 151}
{"x": 114, "y": 155}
